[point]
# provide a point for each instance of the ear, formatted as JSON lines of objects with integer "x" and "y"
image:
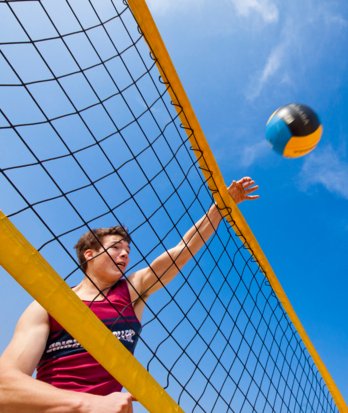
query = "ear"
{"x": 89, "y": 254}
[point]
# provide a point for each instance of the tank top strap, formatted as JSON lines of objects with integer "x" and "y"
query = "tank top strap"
{"x": 119, "y": 288}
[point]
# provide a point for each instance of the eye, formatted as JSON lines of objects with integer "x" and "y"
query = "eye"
{"x": 118, "y": 247}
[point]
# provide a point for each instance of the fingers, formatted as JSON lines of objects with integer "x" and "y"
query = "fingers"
{"x": 245, "y": 181}
{"x": 248, "y": 182}
{"x": 252, "y": 197}
{"x": 251, "y": 187}
{"x": 119, "y": 403}
{"x": 250, "y": 190}
{"x": 129, "y": 400}
{"x": 242, "y": 189}
{"x": 247, "y": 193}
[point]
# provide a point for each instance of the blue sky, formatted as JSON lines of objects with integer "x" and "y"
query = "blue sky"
{"x": 238, "y": 61}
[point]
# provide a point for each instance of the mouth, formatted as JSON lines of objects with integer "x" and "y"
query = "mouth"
{"x": 121, "y": 265}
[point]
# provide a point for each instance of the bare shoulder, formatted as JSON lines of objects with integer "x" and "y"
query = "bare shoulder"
{"x": 29, "y": 339}
{"x": 136, "y": 283}
{"x": 36, "y": 309}
{"x": 33, "y": 315}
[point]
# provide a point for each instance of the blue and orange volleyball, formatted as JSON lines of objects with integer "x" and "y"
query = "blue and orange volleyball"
{"x": 294, "y": 130}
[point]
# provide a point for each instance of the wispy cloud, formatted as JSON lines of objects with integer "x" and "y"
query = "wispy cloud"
{"x": 336, "y": 20}
{"x": 251, "y": 153}
{"x": 325, "y": 168}
{"x": 264, "y": 8}
{"x": 243, "y": 150}
{"x": 271, "y": 67}
{"x": 293, "y": 44}
{"x": 330, "y": 17}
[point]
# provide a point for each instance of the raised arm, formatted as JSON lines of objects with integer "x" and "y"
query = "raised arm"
{"x": 165, "y": 267}
{"x": 20, "y": 392}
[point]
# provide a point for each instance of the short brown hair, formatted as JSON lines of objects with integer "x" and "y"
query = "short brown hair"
{"x": 94, "y": 238}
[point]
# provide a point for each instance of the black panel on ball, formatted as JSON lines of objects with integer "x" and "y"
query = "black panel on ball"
{"x": 301, "y": 119}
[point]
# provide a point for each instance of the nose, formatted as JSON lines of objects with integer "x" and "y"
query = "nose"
{"x": 124, "y": 253}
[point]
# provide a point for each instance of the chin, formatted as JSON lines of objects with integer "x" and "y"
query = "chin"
{"x": 115, "y": 277}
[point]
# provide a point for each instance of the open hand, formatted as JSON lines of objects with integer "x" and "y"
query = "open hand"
{"x": 242, "y": 189}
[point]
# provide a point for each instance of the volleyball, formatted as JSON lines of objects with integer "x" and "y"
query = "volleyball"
{"x": 294, "y": 130}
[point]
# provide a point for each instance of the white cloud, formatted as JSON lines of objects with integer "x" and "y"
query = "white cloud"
{"x": 271, "y": 67}
{"x": 265, "y": 8}
{"x": 294, "y": 43}
{"x": 335, "y": 20}
{"x": 251, "y": 153}
{"x": 325, "y": 168}
{"x": 329, "y": 17}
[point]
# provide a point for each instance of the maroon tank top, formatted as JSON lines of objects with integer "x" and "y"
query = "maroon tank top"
{"x": 66, "y": 364}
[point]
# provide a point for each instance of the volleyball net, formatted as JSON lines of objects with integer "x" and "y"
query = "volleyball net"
{"x": 96, "y": 131}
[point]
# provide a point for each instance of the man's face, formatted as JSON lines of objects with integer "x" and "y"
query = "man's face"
{"x": 109, "y": 262}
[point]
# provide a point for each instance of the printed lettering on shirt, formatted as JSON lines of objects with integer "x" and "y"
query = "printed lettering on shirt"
{"x": 123, "y": 335}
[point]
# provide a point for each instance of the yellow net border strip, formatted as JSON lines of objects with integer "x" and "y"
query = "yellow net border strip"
{"x": 216, "y": 182}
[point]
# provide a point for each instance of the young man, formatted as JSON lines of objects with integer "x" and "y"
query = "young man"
{"x": 68, "y": 379}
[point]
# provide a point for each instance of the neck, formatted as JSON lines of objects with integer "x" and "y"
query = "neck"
{"x": 90, "y": 288}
